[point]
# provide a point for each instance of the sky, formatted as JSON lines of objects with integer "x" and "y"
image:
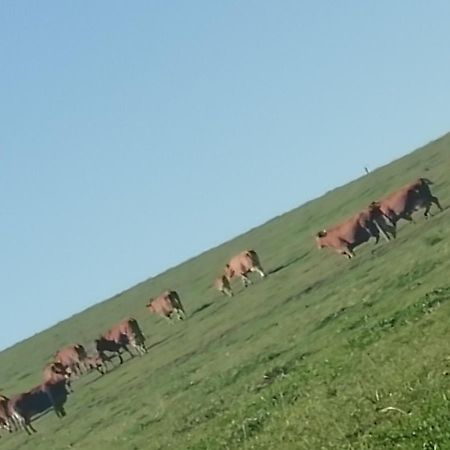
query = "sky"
{"x": 134, "y": 135}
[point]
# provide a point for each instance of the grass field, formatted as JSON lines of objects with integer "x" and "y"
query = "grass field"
{"x": 325, "y": 353}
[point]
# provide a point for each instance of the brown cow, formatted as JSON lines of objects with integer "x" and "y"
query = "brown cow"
{"x": 222, "y": 284}
{"x": 119, "y": 336}
{"x": 50, "y": 394}
{"x": 73, "y": 356}
{"x": 6, "y": 421}
{"x": 243, "y": 263}
{"x": 403, "y": 202}
{"x": 166, "y": 304}
{"x": 354, "y": 231}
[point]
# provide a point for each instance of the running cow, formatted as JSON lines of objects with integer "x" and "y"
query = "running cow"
{"x": 50, "y": 394}
{"x": 73, "y": 356}
{"x": 6, "y": 422}
{"x": 166, "y": 305}
{"x": 345, "y": 237}
{"x": 119, "y": 336}
{"x": 222, "y": 284}
{"x": 403, "y": 202}
{"x": 241, "y": 265}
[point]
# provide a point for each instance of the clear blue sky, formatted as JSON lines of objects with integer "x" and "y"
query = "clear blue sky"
{"x": 137, "y": 134}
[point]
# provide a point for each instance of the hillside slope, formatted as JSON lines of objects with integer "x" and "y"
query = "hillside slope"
{"x": 325, "y": 353}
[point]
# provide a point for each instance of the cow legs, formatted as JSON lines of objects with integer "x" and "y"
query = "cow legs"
{"x": 24, "y": 423}
{"x": 408, "y": 217}
{"x": 128, "y": 350}
{"x": 245, "y": 280}
{"x": 180, "y": 313}
{"x": 433, "y": 200}
{"x": 8, "y": 424}
{"x": 169, "y": 318}
{"x": 347, "y": 252}
{"x": 258, "y": 270}
{"x": 120, "y": 357}
{"x": 140, "y": 348}
{"x": 59, "y": 411}
{"x": 69, "y": 389}
{"x": 383, "y": 229}
{"x": 28, "y": 427}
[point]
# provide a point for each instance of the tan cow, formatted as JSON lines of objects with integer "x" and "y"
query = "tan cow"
{"x": 166, "y": 304}
{"x": 73, "y": 356}
{"x": 119, "y": 336}
{"x": 356, "y": 230}
{"x": 403, "y": 202}
{"x": 242, "y": 264}
{"x": 222, "y": 284}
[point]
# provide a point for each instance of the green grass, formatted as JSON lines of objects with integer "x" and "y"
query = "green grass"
{"x": 325, "y": 353}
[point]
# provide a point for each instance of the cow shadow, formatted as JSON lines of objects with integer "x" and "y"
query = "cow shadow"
{"x": 201, "y": 308}
{"x": 289, "y": 263}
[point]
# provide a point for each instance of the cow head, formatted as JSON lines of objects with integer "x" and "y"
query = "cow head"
{"x": 319, "y": 236}
{"x": 374, "y": 207}
{"x": 56, "y": 371}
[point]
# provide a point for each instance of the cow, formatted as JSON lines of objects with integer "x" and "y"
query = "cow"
{"x": 403, "y": 202}
{"x": 243, "y": 263}
{"x": 6, "y": 421}
{"x": 119, "y": 336}
{"x": 355, "y": 231}
{"x": 222, "y": 284}
{"x": 50, "y": 394}
{"x": 73, "y": 356}
{"x": 166, "y": 304}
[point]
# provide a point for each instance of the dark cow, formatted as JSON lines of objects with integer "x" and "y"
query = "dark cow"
{"x": 346, "y": 236}
{"x": 50, "y": 394}
{"x": 166, "y": 304}
{"x": 403, "y": 202}
{"x": 242, "y": 264}
{"x": 222, "y": 284}
{"x": 118, "y": 337}
{"x": 73, "y": 356}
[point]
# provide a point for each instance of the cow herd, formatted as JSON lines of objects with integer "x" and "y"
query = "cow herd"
{"x": 17, "y": 411}
{"x": 380, "y": 218}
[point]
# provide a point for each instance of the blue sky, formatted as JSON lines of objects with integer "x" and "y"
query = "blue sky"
{"x": 131, "y": 131}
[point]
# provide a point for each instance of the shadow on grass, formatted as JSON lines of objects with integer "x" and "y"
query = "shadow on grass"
{"x": 289, "y": 263}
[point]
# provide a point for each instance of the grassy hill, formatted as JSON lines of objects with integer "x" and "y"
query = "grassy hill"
{"x": 325, "y": 353}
